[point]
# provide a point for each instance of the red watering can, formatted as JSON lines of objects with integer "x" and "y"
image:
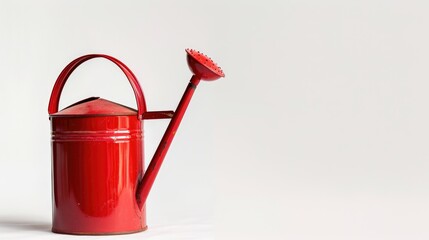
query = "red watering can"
{"x": 99, "y": 183}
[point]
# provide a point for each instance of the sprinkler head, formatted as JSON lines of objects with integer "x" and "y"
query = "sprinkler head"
{"x": 203, "y": 66}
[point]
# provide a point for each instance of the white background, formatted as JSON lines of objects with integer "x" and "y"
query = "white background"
{"x": 319, "y": 130}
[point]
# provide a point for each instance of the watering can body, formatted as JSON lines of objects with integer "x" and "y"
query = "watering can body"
{"x": 97, "y": 160}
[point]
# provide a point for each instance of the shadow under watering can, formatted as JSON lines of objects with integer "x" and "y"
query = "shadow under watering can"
{"x": 99, "y": 183}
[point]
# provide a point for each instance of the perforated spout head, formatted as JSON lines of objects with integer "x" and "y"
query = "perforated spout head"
{"x": 203, "y": 66}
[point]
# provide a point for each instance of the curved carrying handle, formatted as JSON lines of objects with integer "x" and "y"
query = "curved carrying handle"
{"x": 65, "y": 74}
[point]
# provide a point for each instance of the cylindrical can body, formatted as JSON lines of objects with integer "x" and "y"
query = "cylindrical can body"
{"x": 97, "y": 162}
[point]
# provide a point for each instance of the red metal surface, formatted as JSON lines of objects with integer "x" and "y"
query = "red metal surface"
{"x": 158, "y": 114}
{"x": 97, "y": 157}
{"x": 154, "y": 166}
{"x": 99, "y": 184}
{"x": 203, "y": 66}
{"x": 198, "y": 64}
{"x": 64, "y": 75}
{"x": 97, "y": 162}
{"x": 95, "y": 106}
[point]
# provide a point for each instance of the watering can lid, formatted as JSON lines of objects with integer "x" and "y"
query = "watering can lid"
{"x": 95, "y": 106}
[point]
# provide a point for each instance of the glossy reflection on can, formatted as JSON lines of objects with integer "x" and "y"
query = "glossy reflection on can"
{"x": 97, "y": 163}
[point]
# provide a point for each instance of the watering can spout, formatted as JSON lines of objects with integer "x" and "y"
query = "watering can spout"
{"x": 203, "y": 68}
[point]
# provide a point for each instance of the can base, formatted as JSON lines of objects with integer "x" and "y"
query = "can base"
{"x": 98, "y": 233}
